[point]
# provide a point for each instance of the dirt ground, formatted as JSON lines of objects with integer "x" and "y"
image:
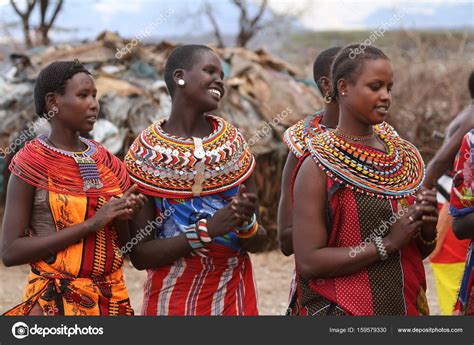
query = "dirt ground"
{"x": 272, "y": 272}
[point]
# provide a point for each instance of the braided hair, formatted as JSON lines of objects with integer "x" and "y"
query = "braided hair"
{"x": 53, "y": 78}
{"x": 183, "y": 57}
{"x": 349, "y": 63}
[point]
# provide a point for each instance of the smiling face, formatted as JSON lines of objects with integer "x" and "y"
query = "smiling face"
{"x": 368, "y": 98}
{"x": 78, "y": 106}
{"x": 204, "y": 85}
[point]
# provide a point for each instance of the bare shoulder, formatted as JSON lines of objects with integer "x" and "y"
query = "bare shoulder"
{"x": 310, "y": 181}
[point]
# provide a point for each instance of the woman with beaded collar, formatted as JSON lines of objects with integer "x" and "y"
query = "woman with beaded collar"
{"x": 68, "y": 203}
{"x": 358, "y": 237}
{"x": 201, "y": 218}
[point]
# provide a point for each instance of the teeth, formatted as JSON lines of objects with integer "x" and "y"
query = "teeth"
{"x": 216, "y": 92}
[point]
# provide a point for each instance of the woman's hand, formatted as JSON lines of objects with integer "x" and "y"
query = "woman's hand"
{"x": 427, "y": 197}
{"x": 117, "y": 208}
{"x": 239, "y": 210}
{"x": 405, "y": 228}
{"x": 136, "y": 202}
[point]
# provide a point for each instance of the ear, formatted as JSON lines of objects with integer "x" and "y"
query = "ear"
{"x": 342, "y": 87}
{"x": 325, "y": 84}
{"x": 51, "y": 101}
{"x": 178, "y": 74}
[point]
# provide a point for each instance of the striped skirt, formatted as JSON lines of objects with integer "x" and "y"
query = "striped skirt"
{"x": 214, "y": 285}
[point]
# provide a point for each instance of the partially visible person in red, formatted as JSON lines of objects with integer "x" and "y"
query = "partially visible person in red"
{"x": 462, "y": 210}
{"x": 295, "y": 138}
{"x": 448, "y": 258}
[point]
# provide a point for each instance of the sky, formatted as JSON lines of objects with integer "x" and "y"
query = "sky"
{"x": 161, "y": 18}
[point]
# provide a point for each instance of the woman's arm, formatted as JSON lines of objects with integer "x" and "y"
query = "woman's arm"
{"x": 426, "y": 240}
{"x": 151, "y": 253}
{"x": 17, "y": 247}
{"x": 313, "y": 258}
{"x": 257, "y": 242}
{"x": 285, "y": 208}
{"x": 463, "y": 227}
{"x": 445, "y": 156}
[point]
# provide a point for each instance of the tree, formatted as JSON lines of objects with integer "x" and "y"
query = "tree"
{"x": 25, "y": 19}
{"x": 46, "y": 25}
{"x": 217, "y": 33}
{"x": 248, "y": 26}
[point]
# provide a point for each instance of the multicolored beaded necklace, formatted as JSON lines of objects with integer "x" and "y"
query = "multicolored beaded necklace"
{"x": 164, "y": 165}
{"x": 87, "y": 166}
{"x": 93, "y": 172}
{"x": 341, "y": 133}
{"x": 395, "y": 174}
{"x": 296, "y": 135}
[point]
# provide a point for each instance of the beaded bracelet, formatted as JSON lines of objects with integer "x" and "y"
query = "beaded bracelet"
{"x": 425, "y": 242}
{"x": 193, "y": 237}
{"x": 380, "y": 247}
{"x": 248, "y": 226}
{"x": 248, "y": 234}
{"x": 202, "y": 231}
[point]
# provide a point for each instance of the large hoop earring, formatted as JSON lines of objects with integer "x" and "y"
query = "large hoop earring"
{"x": 327, "y": 99}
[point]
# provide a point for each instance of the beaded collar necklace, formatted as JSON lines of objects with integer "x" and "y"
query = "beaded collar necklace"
{"x": 87, "y": 166}
{"x": 167, "y": 165}
{"x": 295, "y": 136}
{"x": 395, "y": 174}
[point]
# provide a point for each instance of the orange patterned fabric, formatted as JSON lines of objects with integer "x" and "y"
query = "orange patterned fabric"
{"x": 86, "y": 277}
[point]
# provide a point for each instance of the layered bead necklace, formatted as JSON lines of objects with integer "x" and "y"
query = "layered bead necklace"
{"x": 169, "y": 166}
{"x": 295, "y": 136}
{"x": 87, "y": 166}
{"x": 93, "y": 172}
{"x": 395, "y": 174}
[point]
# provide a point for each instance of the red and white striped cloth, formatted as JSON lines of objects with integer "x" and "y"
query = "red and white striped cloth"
{"x": 219, "y": 284}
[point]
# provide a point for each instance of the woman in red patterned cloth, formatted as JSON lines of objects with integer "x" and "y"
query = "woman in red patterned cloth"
{"x": 359, "y": 239}
{"x": 462, "y": 210}
{"x": 295, "y": 138}
{"x": 201, "y": 218}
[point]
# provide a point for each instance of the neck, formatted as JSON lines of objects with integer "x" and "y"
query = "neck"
{"x": 349, "y": 124}
{"x": 65, "y": 139}
{"x": 331, "y": 115}
{"x": 186, "y": 122}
